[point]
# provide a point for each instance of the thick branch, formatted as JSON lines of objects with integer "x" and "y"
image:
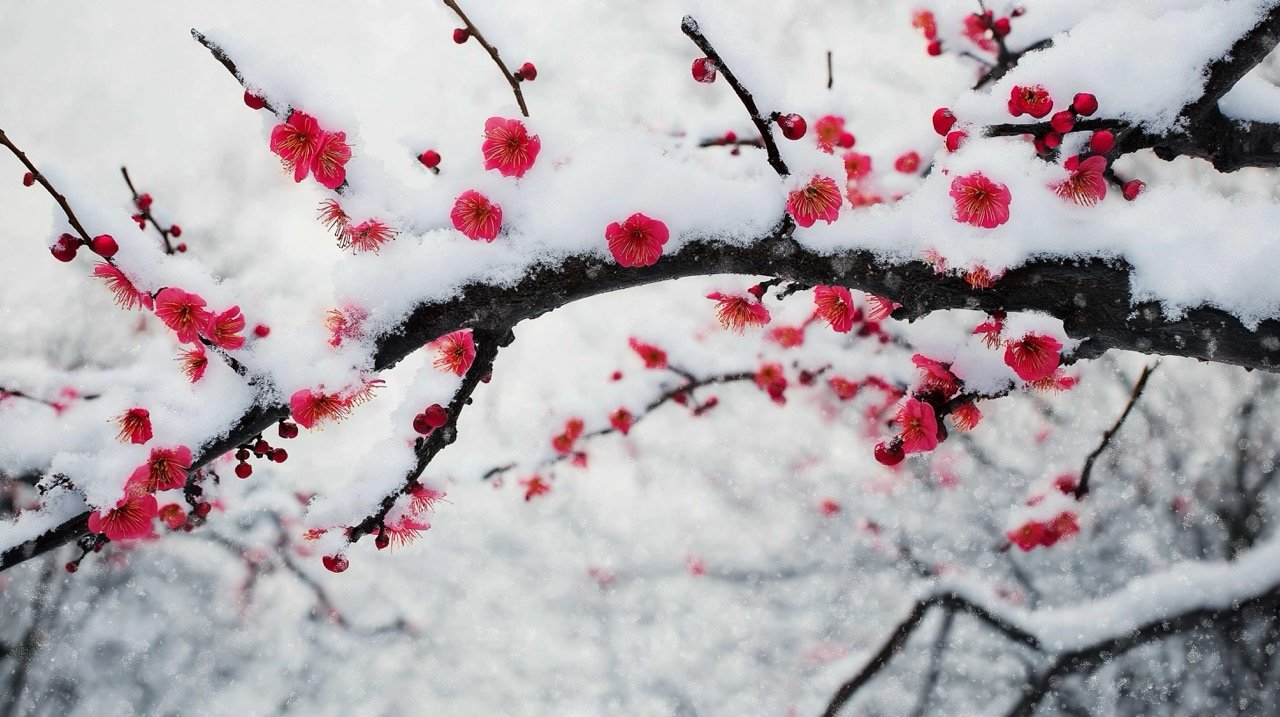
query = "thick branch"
{"x": 1091, "y": 297}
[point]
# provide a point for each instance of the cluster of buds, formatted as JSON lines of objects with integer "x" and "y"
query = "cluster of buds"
{"x": 431, "y": 418}
{"x": 259, "y": 448}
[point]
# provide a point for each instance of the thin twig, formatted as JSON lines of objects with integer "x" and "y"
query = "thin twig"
{"x": 493, "y": 52}
{"x": 762, "y": 123}
{"x": 830, "y": 75}
{"x": 1082, "y": 488}
{"x": 146, "y": 213}
{"x": 281, "y": 111}
{"x": 44, "y": 182}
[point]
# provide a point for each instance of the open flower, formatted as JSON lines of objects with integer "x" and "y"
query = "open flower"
{"x": 368, "y": 235}
{"x": 835, "y": 305}
{"x": 476, "y": 217}
{"x": 919, "y": 426}
{"x": 135, "y": 426}
{"x": 455, "y": 351}
{"x": 1085, "y": 185}
{"x": 166, "y": 469}
{"x": 310, "y": 407}
{"x": 127, "y": 295}
{"x": 508, "y": 147}
{"x": 183, "y": 312}
{"x": 737, "y": 312}
{"x": 224, "y": 329}
{"x": 819, "y": 199}
{"x": 193, "y": 363}
{"x": 856, "y": 165}
{"x": 936, "y": 375}
{"x": 637, "y": 241}
{"x": 1033, "y": 100}
{"x": 130, "y": 519}
{"x": 1034, "y": 356}
{"x": 828, "y": 130}
{"x": 980, "y": 201}
{"x": 296, "y": 141}
{"x": 329, "y": 159}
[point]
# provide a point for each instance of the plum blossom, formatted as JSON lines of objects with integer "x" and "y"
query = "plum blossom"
{"x": 980, "y": 201}
{"x": 736, "y": 312}
{"x": 183, "y": 312}
{"x": 919, "y": 424}
{"x": 328, "y": 163}
{"x": 819, "y": 199}
{"x": 1034, "y": 356}
{"x": 127, "y": 296}
{"x": 310, "y": 407}
{"x": 856, "y": 165}
{"x": 223, "y": 329}
{"x": 1086, "y": 184}
{"x": 166, "y": 469}
{"x": 1033, "y": 100}
{"x": 296, "y": 141}
{"x": 193, "y": 363}
{"x": 508, "y": 147}
{"x": 637, "y": 241}
{"x": 455, "y": 351}
{"x": 476, "y": 217}
{"x": 834, "y": 304}
{"x": 130, "y": 519}
{"x": 652, "y": 356}
{"x": 135, "y": 426}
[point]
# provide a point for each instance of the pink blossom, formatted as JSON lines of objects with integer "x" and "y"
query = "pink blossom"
{"x": 127, "y": 296}
{"x": 224, "y": 329}
{"x": 296, "y": 142}
{"x": 135, "y": 426}
{"x": 310, "y": 407}
{"x": 879, "y": 307}
{"x": 936, "y": 375}
{"x": 637, "y": 241}
{"x": 1086, "y": 184}
{"x": 130, "y": 519}
{"x": 508, "y": 147}
{"x": 329, "y": 159}
{"x": 919, "y": 426}
{"x": 193, "y": 362}
{"x": 827, "y": 130}
{"x": 455, "y": 351}
{"x": 819, "y": 199}
{"x": 737, "y": 312}
{"x": 166, "y": 469}
{"x": 183, "y": 312}
{"x": 980, "y": 201}
{"x": 652, "y": 356}
{"x": 835, "y": 305}
{"x": 476, "y": 217}
{"x": 368, "y": 235}
{"x": 966, "y": 416}
{"x": 1033, "y": 357}
{"x": 856, "y": 165}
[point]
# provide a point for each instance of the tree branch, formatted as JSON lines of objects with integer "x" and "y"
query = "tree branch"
{"x": 493, "y": 52}
{"x": 763, "y": 124}
{"x": 1082, "y": 488}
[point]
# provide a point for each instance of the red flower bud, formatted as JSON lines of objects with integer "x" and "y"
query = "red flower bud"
{"x": 943, "y": 121}
{"x": 1084, "y": 104}
{"x": 704, "y": 70}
